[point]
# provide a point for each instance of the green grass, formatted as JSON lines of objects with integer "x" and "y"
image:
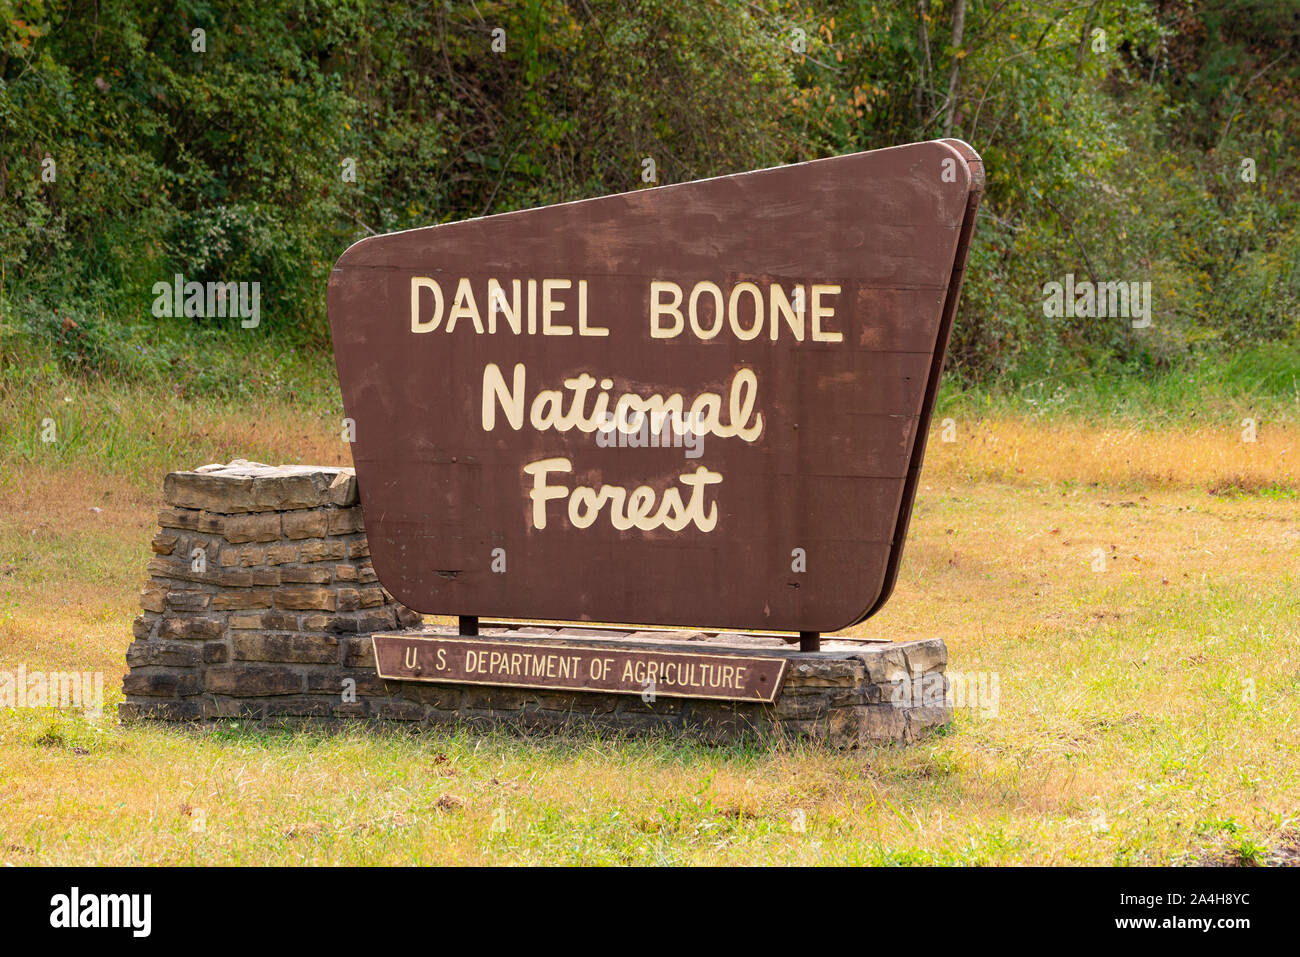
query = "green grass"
{"x": 1262, "y": 382}
{"x": 216, "y": 394}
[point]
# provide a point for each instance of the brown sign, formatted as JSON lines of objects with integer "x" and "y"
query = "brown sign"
{"x": 568, "y": 667}
{"x": 702, "y": 404}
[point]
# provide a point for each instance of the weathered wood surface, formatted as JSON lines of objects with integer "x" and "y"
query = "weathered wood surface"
{"x": 651, "y": 670}
{"x": 833, "y": 471}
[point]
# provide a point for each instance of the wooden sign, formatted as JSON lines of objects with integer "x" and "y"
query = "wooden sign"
{"x": 702, "y": 404}
{"x": 574, "y": 667}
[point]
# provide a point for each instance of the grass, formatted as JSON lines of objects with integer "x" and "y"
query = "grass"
{"x": 1261, "y": 383}
{"x": 1130, "y": 578}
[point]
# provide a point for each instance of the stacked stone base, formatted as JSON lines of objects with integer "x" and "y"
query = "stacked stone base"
{"x": 261, "y": 597}
{"x": 850, "y": 694}
{"x": 262, "y": 602}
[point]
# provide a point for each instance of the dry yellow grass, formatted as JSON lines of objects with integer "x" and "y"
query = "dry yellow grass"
{"x": 1146, "y": 708}
{"x": 1021, "y": 451}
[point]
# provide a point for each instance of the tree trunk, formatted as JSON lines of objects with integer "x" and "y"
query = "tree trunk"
{"x": 1089, "y": 19}
{"x": 920, "y": 100}
{"x": 958, "y": 31}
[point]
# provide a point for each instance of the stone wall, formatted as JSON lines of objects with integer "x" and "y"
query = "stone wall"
{"x": 846, "y": 695}
{"x": 262, "y": 600}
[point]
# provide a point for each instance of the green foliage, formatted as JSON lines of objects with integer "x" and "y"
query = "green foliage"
{"x": 128, "y": 156}
{"x": 1112, "y": 157}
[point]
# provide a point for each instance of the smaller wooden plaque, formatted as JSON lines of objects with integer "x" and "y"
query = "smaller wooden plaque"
{"x": 580, "y": 667}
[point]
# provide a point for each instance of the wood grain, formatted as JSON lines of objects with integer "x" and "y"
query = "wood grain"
{"x": 833, "y": 473}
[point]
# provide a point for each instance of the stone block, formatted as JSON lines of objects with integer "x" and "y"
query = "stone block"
{"x": 841, "y": 728}
{"x": 304, "y": 575}
{"x": 408, "y": 617}
{"x": 215, "y": 652}
{"x": 265, "y": 621}
{"x": 306, "y": 598}
{"x": 153, "y": 598}
{"x": 166, "y": 654}
{"x": 242, "y": 598}
{"x": 345, "y": 521}
{"x": 305, "y": 524}
{"x": 222, "y": 494}
{"x": 395, "y": 709}
{"x": 332, "y": 681}
{"x": 161, "y": 682}
{"x": 885, "y": 664}
{"x": 264, "y": 577}
{"x": 722, "y": 720}
{"x": 377, "y": 619}
{"x": 238, "y": 529}
{"x": 790, "y": 705}
{"x": 193, "y": 626}
{"x": 930, "y": 654}
{"x": 322, "y": 551}
{"x": 303, "y": 649}
{"x": 824, "y": 672}
{"x": 281, "y": 554}
{"x": 881, "y": 723}
{"x": 164, "y": 543}
{"x": 237, "y": 577}
{"x": 248, "y": 680}
{"x": 343, "y": 489}
{"x": 574, "y": 703}
{"x": 308, "y": 489}
{"x": 190, "y": 520}
{"x": 182, "y": 571}
{"x": 179, "y": 599}
{"x": 225, "y": 707}
{"x": 333, "y": 624}
{"x": 360, "y": 653}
